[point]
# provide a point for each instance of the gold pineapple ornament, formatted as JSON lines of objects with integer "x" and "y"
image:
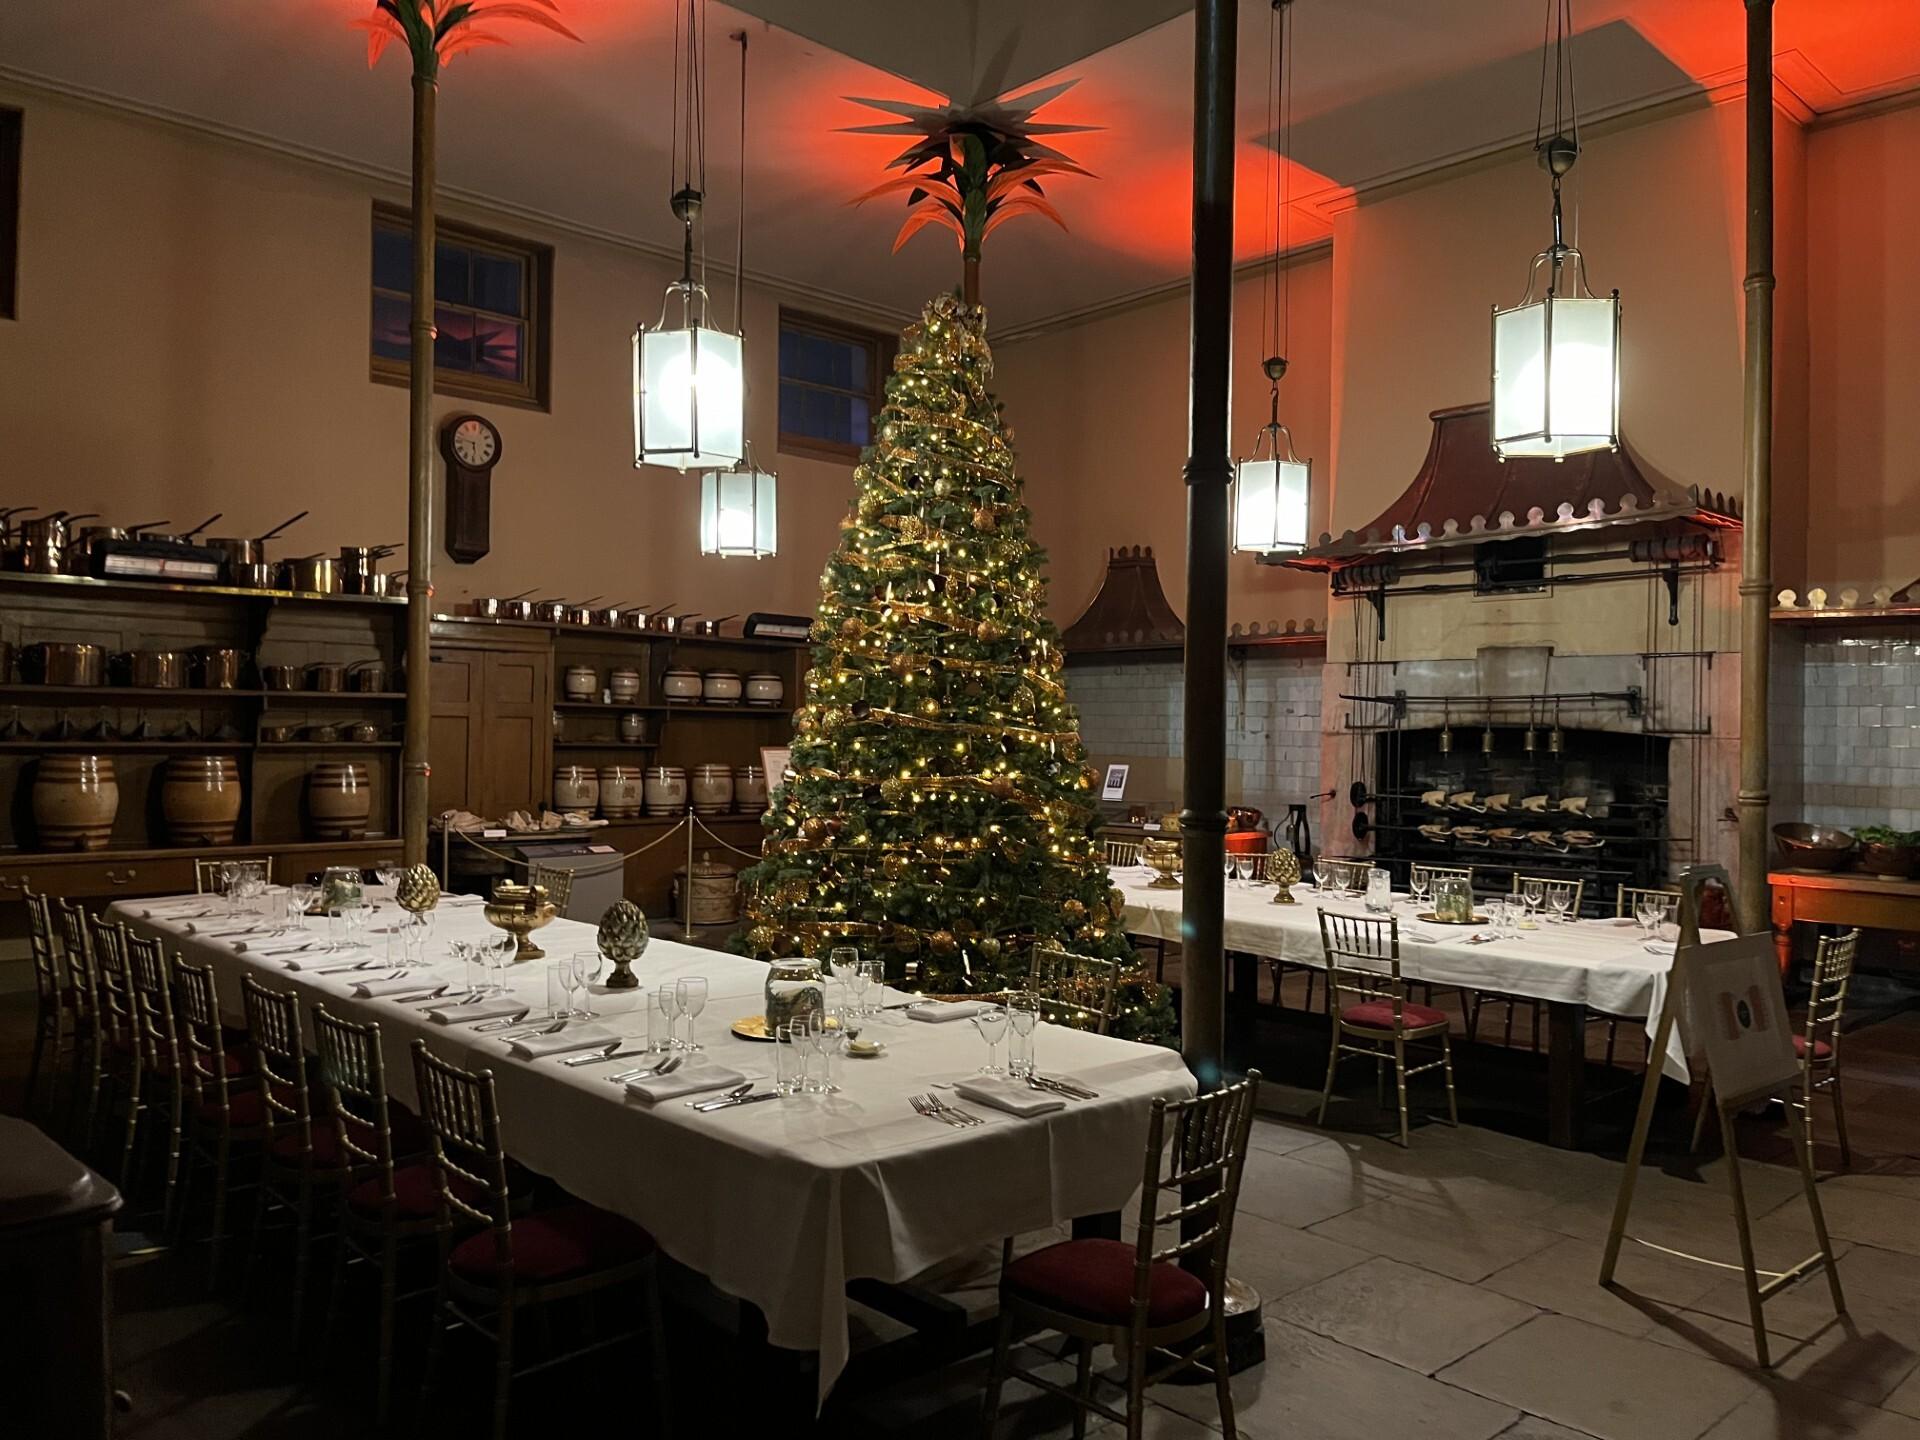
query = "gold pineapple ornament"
{"x": 418, "y": 890}
{"x": 1283, "y": 869}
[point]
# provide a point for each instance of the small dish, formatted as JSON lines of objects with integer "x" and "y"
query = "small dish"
{"x": 865, "y": 1049}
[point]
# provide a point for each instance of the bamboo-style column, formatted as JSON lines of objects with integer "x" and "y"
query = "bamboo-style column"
{"x": 1203, "y": 817}
{"x": 1756, "y": 541}
{"x": 414, "y": 765}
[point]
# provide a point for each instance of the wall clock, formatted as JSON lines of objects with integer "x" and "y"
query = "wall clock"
{"x": 471, "y": 446}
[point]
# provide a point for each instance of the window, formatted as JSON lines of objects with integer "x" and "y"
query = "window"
{"x": 1510, "y": 567}
{"x": 833, "y": 381}
{"x": 10, "y": 127}
{"x": 492, "y": 296}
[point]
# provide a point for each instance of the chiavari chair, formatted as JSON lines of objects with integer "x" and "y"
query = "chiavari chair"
{"x": 557, "y": 881}
{"x": 514, "y": 1264}
{"x": 1363, "y": 961}
{"x": 55, "y": 1020}
{"x": 90, "y": 1037}
{"x": 390, "y": 1195}
{"x": 224, "y": 1108}
{"x": 1482, "y": 998}
{"x": 292, "y": 1166}
{"x": 1151, "y": 1301}
{"x": 1627, "y": 898}
{"x": 114, "y": 1014}
{"x": 1075, "y": 990}
{"x": 206, "y": 873}
{"x": 1123, "y": 854}
{"x": 1816, "y": 1044}
{"x": 156, "y": 1059}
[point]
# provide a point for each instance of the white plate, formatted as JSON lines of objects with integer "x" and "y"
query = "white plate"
{"x": 874, "y": 1054}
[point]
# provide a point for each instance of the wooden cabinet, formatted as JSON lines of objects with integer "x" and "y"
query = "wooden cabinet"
{"x": 491, "y": 732}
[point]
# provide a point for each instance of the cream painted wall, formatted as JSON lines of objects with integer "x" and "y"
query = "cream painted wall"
{"x": 193, "y": 337}
{"x": 1863, "y": 212}
{"x": 1099, "y": 412}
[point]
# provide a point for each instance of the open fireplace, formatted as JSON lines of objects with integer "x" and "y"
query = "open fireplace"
{"x": 1573, "y": 804}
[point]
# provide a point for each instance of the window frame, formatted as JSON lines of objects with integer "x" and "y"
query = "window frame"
{"x": 13, "y": 125}
{"x": 881, "y": 348}
{"x": 533, "y": 390}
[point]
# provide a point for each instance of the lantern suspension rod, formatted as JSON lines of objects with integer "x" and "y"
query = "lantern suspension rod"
{"x": 689, "y": 146}
{"x": 740, "y": 224}
{"x": 1557, "y": 151}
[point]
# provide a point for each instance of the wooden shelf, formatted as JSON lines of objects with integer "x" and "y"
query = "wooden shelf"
{"x": 329, "y": 697}
{"x": 608, "y": 706}
{"x": 606, "y": 745}
{"x": 204, "y": 852}
{"x": 121, "y": 692}
{"x": 758, "y": 712}
{"x": 190, "y": 588}
{"x": 137, "y": 747}
{"x": 268, "y": 747}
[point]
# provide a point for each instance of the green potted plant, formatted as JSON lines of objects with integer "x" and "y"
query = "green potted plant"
{"x": 1889, "y": 852}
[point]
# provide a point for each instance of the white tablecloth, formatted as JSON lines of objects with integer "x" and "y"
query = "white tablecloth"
{"x": 781, "y": 1203}
{"x": 1596, "y": 963}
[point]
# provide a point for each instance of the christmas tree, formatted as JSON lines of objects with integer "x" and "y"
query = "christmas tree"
{"x": 940, "y": 809}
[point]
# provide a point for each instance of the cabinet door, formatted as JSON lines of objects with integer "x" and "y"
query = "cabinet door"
{"x": 456, "y": 687}
{"x": 517, "y": 731}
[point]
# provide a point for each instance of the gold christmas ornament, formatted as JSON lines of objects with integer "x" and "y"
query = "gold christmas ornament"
{"x": 894, "y": 867}
{"x": 990, "y": 947}
{"x": 760, "y": 939}
{"x": 942, "y": 943}
{"x": 987, "y": 631}
{"x": 983, "y": 519}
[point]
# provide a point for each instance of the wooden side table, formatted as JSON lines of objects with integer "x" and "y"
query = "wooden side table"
{"x": 1839, "y": 897}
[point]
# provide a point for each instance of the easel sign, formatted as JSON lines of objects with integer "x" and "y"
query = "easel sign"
{"x": 1738, "y": 1023}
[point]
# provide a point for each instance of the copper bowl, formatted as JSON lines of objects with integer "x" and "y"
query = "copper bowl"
{"x": 1813, "y": 847}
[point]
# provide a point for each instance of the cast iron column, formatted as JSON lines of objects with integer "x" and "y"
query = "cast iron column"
{"x": 413, "y": 759}
{"x": 1203, "y": 820}
{"x": 1756, "y": 541}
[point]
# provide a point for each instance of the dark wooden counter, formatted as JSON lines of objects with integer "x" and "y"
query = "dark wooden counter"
{"x": 1839, "y": 897}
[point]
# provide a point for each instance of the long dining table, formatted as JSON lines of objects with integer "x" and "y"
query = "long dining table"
{"x": 1574, "y": 967}
{"x": 780, "y": 1204}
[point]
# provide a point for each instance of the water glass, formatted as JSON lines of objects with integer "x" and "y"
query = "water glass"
{"x": 559, "y": 990}
{"x": 690, "y": 995}
{"x": 1023, "y": 1020}
{"x": 992, "y": 1024}
{"x": 808, "y": 1038}
{"x": 862, "y": 986}
{"x": 842, "y": 962}
{"x": 660, "y": 1012}
{"x": 789, "y": 1069}
{"x": 582, "y": 966}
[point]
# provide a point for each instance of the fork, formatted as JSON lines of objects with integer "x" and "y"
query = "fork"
{"x": 367, "y": 964}
{"x": 527, "y": 1033}
{"x": 966, "y": 1117}
{"x": 930, "y": 1107}
{"x": 665, "y": 1067}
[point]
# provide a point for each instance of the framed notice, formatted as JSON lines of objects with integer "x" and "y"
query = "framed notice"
{"x": 776, "y": 760}
{"x": 1737, "y": 1015}
{"x": 1115, "y": 787}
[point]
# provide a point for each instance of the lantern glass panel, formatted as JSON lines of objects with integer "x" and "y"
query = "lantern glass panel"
{"x": 1555, "y": 377}
{"x": 1270, "y": 505}
{"x": 688, "y": 403}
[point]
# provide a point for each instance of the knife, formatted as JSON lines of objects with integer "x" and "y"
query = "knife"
{"x": 710, "y": 1105}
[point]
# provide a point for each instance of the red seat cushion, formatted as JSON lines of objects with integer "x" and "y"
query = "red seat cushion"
{"x": 557, "y": 1244}
{"x": 246, "y": 1109}
{"x": 1093, "y": 1279}
{"x": 415, "y": 1197}
{"x": 1378, "y": 1015}
{"x": 1821, "y": 1049}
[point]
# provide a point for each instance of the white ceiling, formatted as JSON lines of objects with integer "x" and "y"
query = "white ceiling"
{"x": 577, "y": 132}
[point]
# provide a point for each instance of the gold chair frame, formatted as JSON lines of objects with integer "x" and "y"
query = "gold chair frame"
{"x": 1826, "y": 1003}
{"x": 557, "y": 881}
{"x": 1363, "y": 958}
{"x": 1626, "y": 897}
{"x": 156, "y": 1052}
{"x": 353, "y": 1069}
{"x": 119, "y": 1025}
{"x": 211, "y": 1085}
{"x": 1074, "y": 990}
{"x": 55, "y": 1021}
{"x": 1200, "y": 1172}
{"x": 206, "y": 873}
{"x": 1123, "y": 854}
{"x": 463, "y": 1124}
{"x": 89, "y": 1058}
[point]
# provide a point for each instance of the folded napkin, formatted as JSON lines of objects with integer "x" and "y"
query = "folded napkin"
{"x": 689, "y": 1079}
{"x": 321, "y": 959}
{"x": 574, "y": 1037}
{"x": 1660, "y": 947}
{"x": 276, "y": 945}
{"x": 1016, "y": 1097}
{"x": 496, "y": 1008}
{"x": 938, "y": 1012}
{"x": 400, "y": 985}
{"x": 1423, "y": 936}
{"x": 175, "y": 909}
{"x": 225, "y": 934}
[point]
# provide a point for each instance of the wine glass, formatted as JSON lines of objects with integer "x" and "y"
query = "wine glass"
{"x": 1559, "y": 899}
{"x": 690, "y": 995}
{"x": 500, "y": 950}
{"x": 1533, "y": 892}
{"x": 1648, "y": 910}
{"x": 1418, "y": 881}
{"x": 299, "y": 901}
{"x": 387, "y": 875}
{"x": 829, "y": 1036}
{"x": 992, "y": 1025}
{"x": 842, "y": 961}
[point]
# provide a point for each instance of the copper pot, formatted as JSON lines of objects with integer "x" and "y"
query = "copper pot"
{"x": 155, "y": 669}
{"x": 59, "y": 662}
{"x": 328, "y": 676}
{"x": 367, "y": 676}
{"x": 311, "y": 575}
{"x": 280, "y": 677}
{"x": 219, "y": 667}
{"x": 497, "y": 607}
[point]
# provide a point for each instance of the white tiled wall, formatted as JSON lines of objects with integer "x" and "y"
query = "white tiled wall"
{"x": 1858, "y": 740}
{"x": 1273, "y": 721}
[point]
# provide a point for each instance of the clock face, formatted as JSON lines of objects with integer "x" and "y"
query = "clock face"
{"x": 475, "y": 444}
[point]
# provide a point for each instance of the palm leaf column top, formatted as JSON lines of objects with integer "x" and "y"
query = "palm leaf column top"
{"x": 971, "y": 168}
